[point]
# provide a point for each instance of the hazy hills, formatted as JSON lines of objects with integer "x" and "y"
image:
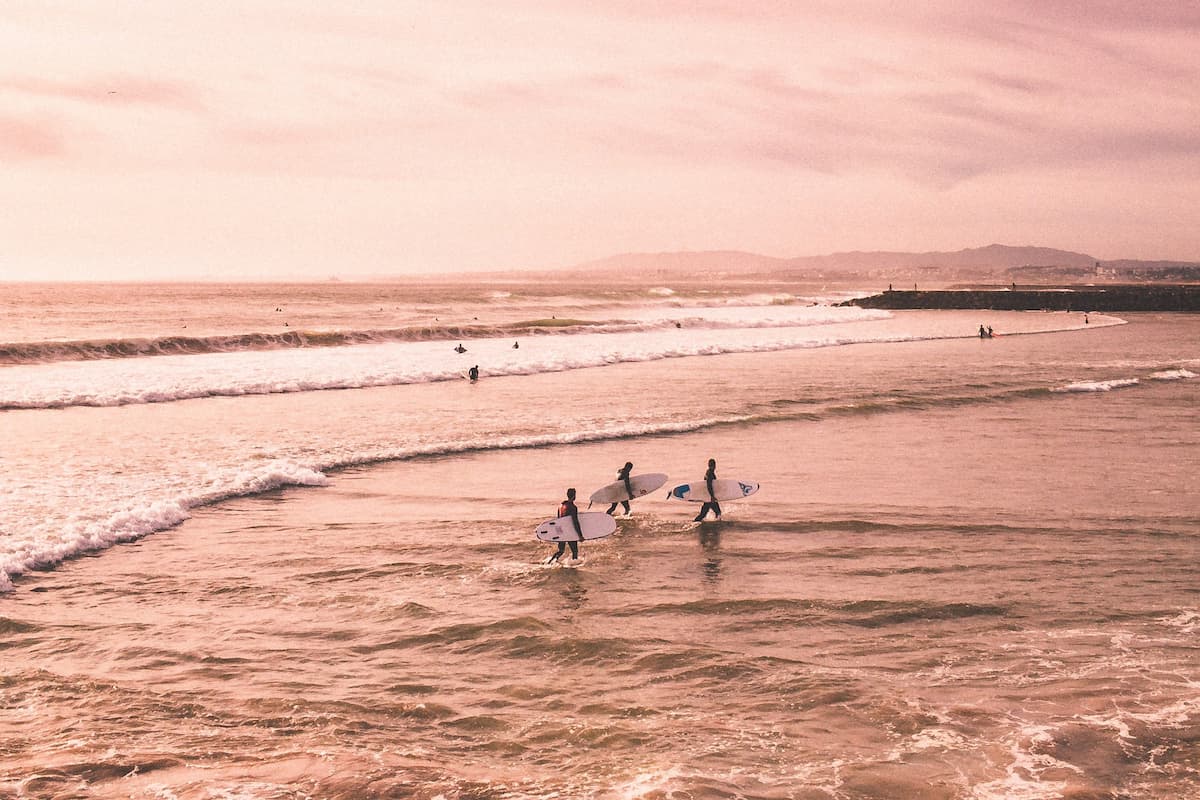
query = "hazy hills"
{"x": 995, "y": 262}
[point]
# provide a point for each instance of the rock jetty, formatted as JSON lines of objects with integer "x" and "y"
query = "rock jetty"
{"x": 1147, "y": 297}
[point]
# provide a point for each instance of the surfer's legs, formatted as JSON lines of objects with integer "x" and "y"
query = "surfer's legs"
{"x": 623, "y": 503}
{"x": 574, "y": 550}
{"x": 714, "y": 506}
{"x": 562, "y": 548}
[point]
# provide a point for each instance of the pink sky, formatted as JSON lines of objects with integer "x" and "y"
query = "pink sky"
{"x": 278, "y": 139}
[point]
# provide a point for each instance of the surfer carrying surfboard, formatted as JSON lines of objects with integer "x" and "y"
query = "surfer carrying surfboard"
{"x": 712, "y": 504}
{"x": 623, "y": 475}
{"x": 568, "y": 509}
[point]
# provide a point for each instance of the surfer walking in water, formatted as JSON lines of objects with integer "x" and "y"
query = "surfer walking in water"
{"x": 712, "y": 504}
{"x": 473, "y": 373}
{"x": 623, "y": 475}
{"x": 568, "y": 509}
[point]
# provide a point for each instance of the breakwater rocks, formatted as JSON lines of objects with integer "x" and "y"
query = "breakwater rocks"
{"x": 1150, "y": 297}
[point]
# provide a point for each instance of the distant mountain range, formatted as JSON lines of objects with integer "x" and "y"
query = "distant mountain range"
{"x": 996, "y": 261}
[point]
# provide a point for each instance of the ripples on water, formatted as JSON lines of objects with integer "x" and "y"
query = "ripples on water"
{"x": 970, "y": 586}
{"x": 680, "y": 660}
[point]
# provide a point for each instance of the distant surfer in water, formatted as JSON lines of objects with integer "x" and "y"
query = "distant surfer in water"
{"x": 473, "y": 373}
{"x": 516, "y": 345}
{"x": 460, "y": 348}
{"x": 623, "y": 475}
{"x": 568, "y": 509}
{"x": 712, "y": 505}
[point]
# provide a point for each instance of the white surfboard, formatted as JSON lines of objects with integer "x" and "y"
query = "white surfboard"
{"x": 615, "y": 491}
{"x": 595, "y": 524}
{"x": 723, "y": 488}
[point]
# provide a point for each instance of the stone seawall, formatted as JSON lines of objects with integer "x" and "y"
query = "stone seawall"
{"x": 1156, "y": 297}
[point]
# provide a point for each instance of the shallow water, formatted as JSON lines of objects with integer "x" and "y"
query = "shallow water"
{"x": 970, "y": 573}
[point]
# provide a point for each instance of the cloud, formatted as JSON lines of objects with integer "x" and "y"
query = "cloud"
{"x": 565, "y": 90}
{"x": 116, "y": 90}
{"x": 990, "y": 117}
{"x": 663, "y": 120}
{"x": 1120, "y": 15}
{"x": 22, "y": 140}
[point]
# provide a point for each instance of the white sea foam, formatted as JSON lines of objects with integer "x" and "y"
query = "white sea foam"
{"x": 1186, "y": 621}
{"x": 1173, "y": 375}
{"x": 1098, "y": 386}
{"x": 1023, "y": 775}
{"x": 48, "y": 545}
{"x": 1181, "y": 713}
{"x": 88, "y": 504}
{"x": 934, "y": 739}
{"x": 648, "y": 783}
{"x": 172, "y": 378}
{"x": 131, "y": 515}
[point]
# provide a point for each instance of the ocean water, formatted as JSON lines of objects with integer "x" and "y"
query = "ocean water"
{"x": 267, "y": 542}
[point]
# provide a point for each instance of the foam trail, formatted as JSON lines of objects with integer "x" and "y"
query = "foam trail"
{"x": 1173, "y": 375}
{"x": 1098, "y": 386}
{"x": 50, "y": 546}
{"x": 173, "y": 378}
{"x": 717, "y": 314}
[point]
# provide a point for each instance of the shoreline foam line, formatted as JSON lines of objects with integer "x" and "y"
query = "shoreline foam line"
{"x": 136, "y": 521}
{"x": 42, "y": 352}
{"x": 190, "y": 378}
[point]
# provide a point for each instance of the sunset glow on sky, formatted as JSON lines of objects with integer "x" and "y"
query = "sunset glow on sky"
{"x": 306, "y": 139}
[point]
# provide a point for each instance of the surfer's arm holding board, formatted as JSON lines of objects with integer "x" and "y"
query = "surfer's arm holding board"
{"x": 569, "y": 509}
{"x": 574, "y": 512}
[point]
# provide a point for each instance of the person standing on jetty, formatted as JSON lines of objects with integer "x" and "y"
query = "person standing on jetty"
{"x": 568, "y": 509}
{"x": 712, "y": 504}
{"x": 623, "y": 475}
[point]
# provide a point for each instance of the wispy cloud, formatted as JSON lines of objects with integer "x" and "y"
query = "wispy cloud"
{"x": 116, "y": 90}
{"x": 699, "y": 121}
{"x": 22, "y": 139}
{"x": 571, "y": 89}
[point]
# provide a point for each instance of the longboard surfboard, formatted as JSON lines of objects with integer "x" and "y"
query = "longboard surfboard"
{"x": 595, "y": 524}
{"x": 723, "y": 488}
{"x": 642, "y": 485}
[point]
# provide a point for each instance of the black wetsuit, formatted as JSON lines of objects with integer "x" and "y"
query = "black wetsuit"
{"x": 623, "y": 475}
{"x": 569, "y": 509}
{"x": 712, "y": 504}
